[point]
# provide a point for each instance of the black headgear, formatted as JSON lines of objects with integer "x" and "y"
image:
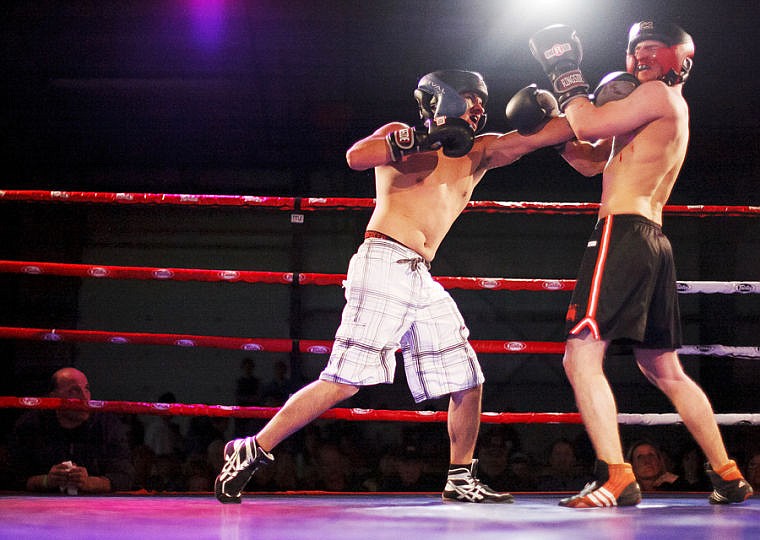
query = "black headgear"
{"x": 460, "y": 80}
{"x": 676, "y": 60}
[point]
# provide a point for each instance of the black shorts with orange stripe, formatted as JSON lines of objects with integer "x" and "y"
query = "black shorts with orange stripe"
{"x": 626, "y": 286}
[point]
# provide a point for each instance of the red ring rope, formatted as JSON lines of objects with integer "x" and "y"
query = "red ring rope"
{"x": 323, "y": 347}
{"x": 343, "y": 203}
{"x": 183, "y": 409}
{"x": 311, "y": 346}
{"x": 311, "y": 278}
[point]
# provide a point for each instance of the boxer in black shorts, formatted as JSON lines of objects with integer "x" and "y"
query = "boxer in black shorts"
{"x": 626, "y": 286}
{"x": 634, "y": 130}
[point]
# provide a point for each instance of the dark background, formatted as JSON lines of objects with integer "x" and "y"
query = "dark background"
{"x": 263, "y": 98}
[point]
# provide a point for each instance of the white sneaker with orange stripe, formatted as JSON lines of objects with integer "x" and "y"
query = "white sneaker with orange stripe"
{"x": 615, "y": 485}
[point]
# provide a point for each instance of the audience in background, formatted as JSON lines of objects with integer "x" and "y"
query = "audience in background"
{"x": 70, "y": 451}
{"x": 691, "y": 467}
{"x": 752, "y": 472}
{"x": 327, "y": 455}
{"x": 652, "y": 470}
{"x": 405, "y": 471}
{"x": 562, "y": 471}
{"x": 495, "y": 446}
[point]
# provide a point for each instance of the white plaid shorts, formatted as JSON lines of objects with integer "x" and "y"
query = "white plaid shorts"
{"x": 393, "y": 303}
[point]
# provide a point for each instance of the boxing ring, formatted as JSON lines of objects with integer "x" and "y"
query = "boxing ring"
{"x": 295, "y": 515}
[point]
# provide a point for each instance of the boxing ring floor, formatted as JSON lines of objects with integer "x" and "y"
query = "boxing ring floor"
{"x": 368, "y": 517}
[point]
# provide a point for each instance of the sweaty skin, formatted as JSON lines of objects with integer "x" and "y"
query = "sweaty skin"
{"x": 420, "y": 196}
{"x": 640, "y": 146}
{"x": 417, "y": 200}
{"x": 640, "y": 143}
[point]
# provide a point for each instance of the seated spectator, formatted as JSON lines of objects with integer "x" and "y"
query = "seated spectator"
{"x": 691, "y": 466}
{"x": 651, "y": 469}
{"x": 494, "y": 449}
{"x": 162, "y": 433}
{"x": 752, "y": 473}
{"x": 278, "y": 390}
{"x": 562, "y": 473}
{"x": 333, "y": 472}
{"x": 522, "y": 475}
{"x": 70, "y": 451}
{"x": 408, "y": 473}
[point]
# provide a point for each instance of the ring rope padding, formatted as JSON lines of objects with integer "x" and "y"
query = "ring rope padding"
{"x": 343, "y": 203}
{"x": 311, "y": 346}
{"x": 312, "y": 278}
{"x": 384, "y": 415}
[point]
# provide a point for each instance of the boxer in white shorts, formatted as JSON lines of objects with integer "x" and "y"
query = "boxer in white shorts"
{"x": 392, "y": 303}
{"x": 424, "y": 178}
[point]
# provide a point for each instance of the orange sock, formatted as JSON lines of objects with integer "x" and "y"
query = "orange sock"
{"x": 729, "y": 471}
{"x": 621, "y": 474}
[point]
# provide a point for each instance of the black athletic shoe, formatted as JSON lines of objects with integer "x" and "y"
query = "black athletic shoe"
{"x": 729, "y": 486}
{"x": 463, "y": 486}
{"x": 242, "y": 458}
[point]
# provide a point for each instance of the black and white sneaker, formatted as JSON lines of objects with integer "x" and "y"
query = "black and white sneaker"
{"x": 463, "y": 486}
{"x": 729, "y": 486}
{"x": 242, "y": 458}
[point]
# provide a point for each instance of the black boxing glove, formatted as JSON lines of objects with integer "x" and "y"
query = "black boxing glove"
{"x": 614, "y": 86}
{"x": 453, "y": 134}
{"x": 408, "y": 141}
{"x": 530, "y": 109}
{"x": 558, "y": 50}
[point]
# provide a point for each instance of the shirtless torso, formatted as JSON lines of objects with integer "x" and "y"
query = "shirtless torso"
{"x": 420, "y": 197}
{"x": 641, "y": 145}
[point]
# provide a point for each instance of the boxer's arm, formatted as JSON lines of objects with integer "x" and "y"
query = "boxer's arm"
{"x": 372, "y": 151}
{"x": 587, "y": 158}
{"x": 647, "y": 103}
{"x": 501, "y": 150}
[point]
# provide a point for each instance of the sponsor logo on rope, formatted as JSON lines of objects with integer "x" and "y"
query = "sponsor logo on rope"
{"x": 744, "y": 287}
{"x": 29, "y": 401}
{"x": 185, "y": 343}
{"x": 252, "y": 347}
{"x": 97, "y": 271}
{"x": 489, "y": 283}
{"x": 318, "y": 349}
{"x": 96, "y": 404}
{"x": 682, "y": 286}
{"x": 229, "y": 274}
{"x": 551, "y": 285}
{"x": 515, "y": 346}
{"x": 118, "y": 340}
{"x": 31, "y": 270}
{"x": 163, "y": 273}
